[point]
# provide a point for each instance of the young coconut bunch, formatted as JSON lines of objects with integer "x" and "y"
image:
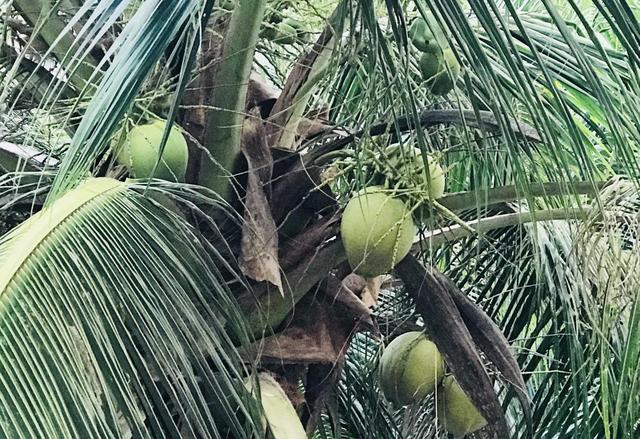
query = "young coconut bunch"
{"x": 270, "y": 25}
{"x": 437, "y": 62}
{"x": 411, "y": 368}
{"x": 139, "y": 149}
{"x": 440, "y": 70}
{"x": 426, "y": 35}
{"x": 285, "y": 28}
{"x": 416, "y": 178}
{"x": 377, "y": 225}
{"x": 420, "y": 183}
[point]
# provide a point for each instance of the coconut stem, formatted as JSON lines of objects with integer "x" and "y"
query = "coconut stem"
{"x": 503, "y": 194}
{"x": 224, "y": 124}
{"x": 435, "y": 238}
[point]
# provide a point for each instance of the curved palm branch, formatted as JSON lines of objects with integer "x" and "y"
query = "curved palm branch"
{"x": 109, "y": 329}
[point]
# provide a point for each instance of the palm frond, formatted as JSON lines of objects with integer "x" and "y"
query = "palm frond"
{"x": 143, "y": 40}
{"x": 115, "y": 322}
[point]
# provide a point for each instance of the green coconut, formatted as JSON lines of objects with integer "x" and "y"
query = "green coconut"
{"x": 279, "y": 413}
{"x": 275, "y": 17}
{"x": 295, "y": 23}
{"x": 426, "y": 35}
{"x": 456, "y": 412}
{"x": 434, "y": 180}
{"x": 269, "y": 31}
{"x": 377, "y": 231}
{"x": 139, "y": 152}
{"x": 410, "y": 368}
{"x": 431, "y": 64}
{"x": 228, "y": 5}
{"x": 299, "y": 29}
{"x": 446, "y": 78}
{"x": 421, "y": 36}
{"x": 410, "y": 164}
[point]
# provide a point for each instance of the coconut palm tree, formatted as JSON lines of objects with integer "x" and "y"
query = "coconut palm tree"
{"x": 139, "y": 306}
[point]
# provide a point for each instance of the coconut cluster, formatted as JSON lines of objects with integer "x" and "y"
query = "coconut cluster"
{"x": 285, "y": 28}
{"x": 412, "y": 368}
{"x": 438, "y": 64}
{"x": 139, "y": 151}
{"x": 378, "y": 226}
{"x": 420, "y": 175}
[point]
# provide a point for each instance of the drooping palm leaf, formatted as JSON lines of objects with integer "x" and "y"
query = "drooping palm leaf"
{"x": 114, "y": 322}
{"x": 144, "y": 39}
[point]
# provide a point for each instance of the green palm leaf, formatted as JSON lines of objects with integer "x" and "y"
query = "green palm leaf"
{"x": 110, "y": 329}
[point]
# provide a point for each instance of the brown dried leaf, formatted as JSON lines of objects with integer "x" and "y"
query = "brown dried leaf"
{"x": 259, "y": 91}
{"x": 283, "y": 107}
{"x": 299, "y": 247}
{"x": 313, "y": 337}
{"x": 259, "y": 246}
{"x": 372, "y": 291}
{"x": 309, "y": 128}
{"x": 347, "y": 293}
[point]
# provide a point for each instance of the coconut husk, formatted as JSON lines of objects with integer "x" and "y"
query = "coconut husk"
{"x": 447, "y": 329}
{"x": 490, "y": 340}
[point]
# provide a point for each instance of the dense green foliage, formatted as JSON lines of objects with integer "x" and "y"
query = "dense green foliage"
{"x": 123, "y": 311}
